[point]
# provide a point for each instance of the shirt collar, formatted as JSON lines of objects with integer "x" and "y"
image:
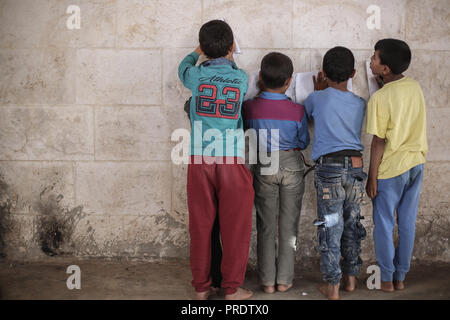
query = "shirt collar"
{"x": 218, "y": 62}
{"x": 273, "y": 96}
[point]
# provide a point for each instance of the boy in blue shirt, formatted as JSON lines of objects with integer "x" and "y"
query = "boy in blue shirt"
{"x": 278, "y": 194}
{"x": 338, "y": 117}
{"x": 218, "y": 182}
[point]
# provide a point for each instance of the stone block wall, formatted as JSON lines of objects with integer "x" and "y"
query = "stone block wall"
{"x": 86, "y": 115}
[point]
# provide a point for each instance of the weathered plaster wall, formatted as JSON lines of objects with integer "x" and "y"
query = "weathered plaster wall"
{"x": 86, "y": 115}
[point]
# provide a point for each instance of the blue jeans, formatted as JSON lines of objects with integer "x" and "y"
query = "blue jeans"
{"x": 399, "y": 194}
{"x": 340, "y": 189}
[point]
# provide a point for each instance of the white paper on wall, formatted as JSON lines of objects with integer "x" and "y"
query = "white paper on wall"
{"x": 301, "y": 86}
{"x": 304, "y": 85}
{"x": 253, "y": 89}
{"x": 237, "y": 50}
{"x": 290, "y": 92}
{"x": 373, "y": 85}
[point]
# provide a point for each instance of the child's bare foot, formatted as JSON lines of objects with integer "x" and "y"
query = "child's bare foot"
{"x": 202, "y": 295}
{"x": 284, "y": 287}
{"x": 331, "y": 292}
{"x": 269, "y": 289}
{"x": 349, "y": 283}
{"x": 240, "y": 294}
{"x": 387, "y": 286}
{"x": 399, "y": 285}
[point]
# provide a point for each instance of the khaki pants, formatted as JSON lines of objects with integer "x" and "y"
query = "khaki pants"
{"x": 278, "y": 196}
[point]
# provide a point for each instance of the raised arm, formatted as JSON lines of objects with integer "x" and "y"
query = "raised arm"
{"x": 186, "y": 70}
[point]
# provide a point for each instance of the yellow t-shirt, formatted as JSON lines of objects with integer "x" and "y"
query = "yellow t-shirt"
{"x": 396, "y": 112}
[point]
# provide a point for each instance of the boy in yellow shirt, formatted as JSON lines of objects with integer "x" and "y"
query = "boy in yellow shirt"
{"x": 397, "y": 120}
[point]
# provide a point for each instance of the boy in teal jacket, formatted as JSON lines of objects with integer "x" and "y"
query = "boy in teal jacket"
{"x": 218, "y": 182}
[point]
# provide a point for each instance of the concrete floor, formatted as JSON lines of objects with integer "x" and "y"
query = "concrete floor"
{"x": 170, "y": 280}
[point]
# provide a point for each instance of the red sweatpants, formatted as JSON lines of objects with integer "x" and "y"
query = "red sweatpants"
{"x": 226, "y": 190}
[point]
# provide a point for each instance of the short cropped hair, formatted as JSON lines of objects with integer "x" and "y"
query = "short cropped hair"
{"x": 394, "y": 53}
{"x": 276, "y": 68}
{"x": 338, "y": 64}
{"x": 216, "y": 38}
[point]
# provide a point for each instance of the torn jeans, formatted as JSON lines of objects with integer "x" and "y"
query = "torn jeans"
{"x": 340, "y": 189}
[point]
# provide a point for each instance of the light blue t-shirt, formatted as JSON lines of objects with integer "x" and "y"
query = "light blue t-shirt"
{"x": 338, "y": 118}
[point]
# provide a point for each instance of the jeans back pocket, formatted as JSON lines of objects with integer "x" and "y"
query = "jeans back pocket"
{"x": 328, "y": 176}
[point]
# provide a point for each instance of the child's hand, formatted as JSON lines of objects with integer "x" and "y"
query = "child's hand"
{"x": 321, "y": 82}
{"x": 371, "y": 188}
{"x": 198, "y": 50}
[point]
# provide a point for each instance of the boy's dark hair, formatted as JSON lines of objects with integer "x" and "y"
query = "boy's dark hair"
{"x": 276, "y": 68}
{"x": 338, "y": 64}
{"x": 394, "y": 53}
{"x": 216, "y": 38}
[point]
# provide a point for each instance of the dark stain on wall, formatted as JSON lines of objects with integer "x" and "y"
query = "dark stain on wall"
{"x": 5, "y": 213}
{"x": 56, "y": 224}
